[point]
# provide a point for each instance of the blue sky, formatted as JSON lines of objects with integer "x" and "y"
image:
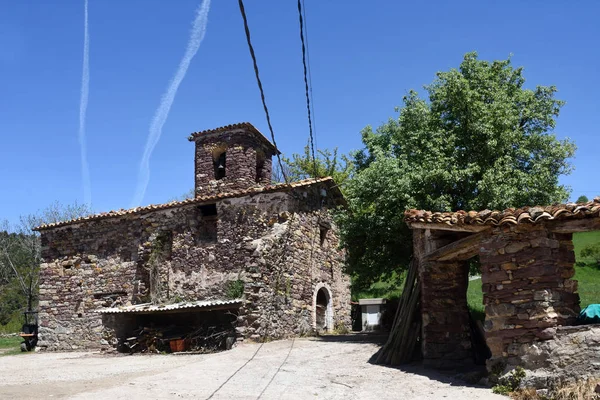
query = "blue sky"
{"x": 364, "y": 57}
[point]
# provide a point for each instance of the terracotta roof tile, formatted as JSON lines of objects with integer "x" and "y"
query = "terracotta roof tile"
{"x": 241, "y": 125}
{"x": 197, "y": 200}
{"x": 510, "y": 216}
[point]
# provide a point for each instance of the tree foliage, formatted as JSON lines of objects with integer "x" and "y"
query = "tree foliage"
{"x": 190, "y": 194}
{"x": 582, "y": 199}
{"x": 591, "y": 251}
{"x": 480, "y": 140}
{"x": 327, "y": 163}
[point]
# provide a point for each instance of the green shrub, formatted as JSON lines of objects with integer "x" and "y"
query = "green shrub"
{"x": 510, "y": 382}
{"x": 14, "y": 324}
{"x": 234, "y": 289}
{"x": 340, "y": 329}
{"x": 591, "y": 251}
{"x": 502, "y": 389}
{"x": 12, "y": 301}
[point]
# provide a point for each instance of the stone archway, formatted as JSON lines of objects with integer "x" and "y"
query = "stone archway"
{"x": 323, "y": 308}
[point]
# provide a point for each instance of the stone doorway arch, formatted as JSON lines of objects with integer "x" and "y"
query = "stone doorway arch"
{"x": 323, "y": 308}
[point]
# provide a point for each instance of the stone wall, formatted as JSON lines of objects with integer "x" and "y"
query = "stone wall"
{"x": 527, "y": 287}
{"x": 271, "y": 242}
{"x": 526, "y": 273}
{"x": 566, "y": 354}
{"x": 248, "y": 162}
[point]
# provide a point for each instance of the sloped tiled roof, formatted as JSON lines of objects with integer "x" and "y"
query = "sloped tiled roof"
{"x": 510, "y": 216}
{"x": 153, "y": 308}
{"x": 201, "y": 199}
{"x": 242, "y": 125}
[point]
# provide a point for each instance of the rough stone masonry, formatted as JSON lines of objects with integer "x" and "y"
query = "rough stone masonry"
{"x": 531, "y": 301}
{"x": 278, "y": 242}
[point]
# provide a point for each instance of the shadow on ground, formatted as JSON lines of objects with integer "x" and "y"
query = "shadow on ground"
{"x": 467, "y": 376}
{"x": 463, "y": 377}
{"x": 378, "y": 338}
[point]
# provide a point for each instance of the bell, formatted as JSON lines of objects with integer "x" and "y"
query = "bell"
{"x": 221, "y": 166}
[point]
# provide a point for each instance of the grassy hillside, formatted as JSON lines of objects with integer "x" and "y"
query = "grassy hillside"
{"x": 587, "y": 273}
{"x": 580, "y": 240}
{"x": 475, "y": 299}
{"x": 386, "y": 288}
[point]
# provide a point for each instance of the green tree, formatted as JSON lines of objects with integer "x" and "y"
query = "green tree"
{"x": 20, "y": 255}
{"x": 190, "y": 194}
{"x": 582, "y": 199}
{"x": 327, "y": 163}
{"x": 480, "y": 140}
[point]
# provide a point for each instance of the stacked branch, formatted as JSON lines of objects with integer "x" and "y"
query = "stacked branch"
{"x": 405, "y": 333}
{"x": 203, "y": 339}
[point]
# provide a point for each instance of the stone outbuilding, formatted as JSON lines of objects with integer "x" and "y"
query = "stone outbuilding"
{"x": 266, "y": 253}
{"x": 531, "y": 301}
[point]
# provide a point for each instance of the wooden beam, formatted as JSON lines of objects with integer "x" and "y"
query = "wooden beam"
{"x": 446, "y": 227}
{"x": 574, "y": 225}
{"x": 461, "y": 249}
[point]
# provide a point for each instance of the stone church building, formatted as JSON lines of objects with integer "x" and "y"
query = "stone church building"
{"x": 266, "y": 253}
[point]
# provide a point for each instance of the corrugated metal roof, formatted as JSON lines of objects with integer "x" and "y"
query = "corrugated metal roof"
{"x": 152, "y": 308}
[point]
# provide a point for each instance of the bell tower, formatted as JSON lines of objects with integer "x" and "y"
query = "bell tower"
{"x": 230, "y": 158}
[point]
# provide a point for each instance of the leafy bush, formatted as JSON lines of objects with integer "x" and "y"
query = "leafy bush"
{"x": 502, "y": 389}
{"x": 11, "y": 302}
{"x": 510, "y": 382}
{"x": 235, "y": 289}
{"x": 591, "y": 251}
{"x": 340, "y": 329}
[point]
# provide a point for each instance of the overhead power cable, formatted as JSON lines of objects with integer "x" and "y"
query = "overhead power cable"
{"x": 310, "y": 127}
{"x": 278, "y": 369}
{"x": 235, "y": 373}
{"x": 260, "y": 87}
{"x": 312, "y": 101}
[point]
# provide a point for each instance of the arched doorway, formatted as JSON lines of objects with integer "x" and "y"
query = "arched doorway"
{"x": 323, "y": 315}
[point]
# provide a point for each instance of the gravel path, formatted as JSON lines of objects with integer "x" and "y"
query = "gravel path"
{"x": 298, "y": 369}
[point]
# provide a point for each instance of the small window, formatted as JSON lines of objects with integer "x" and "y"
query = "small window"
{"x": 208, "y": 223}
{"x": 208, "y": 210}
{"x": 220, "y": 165}
{"x": 260, "y": 166}
{"x": 323, "y": 234}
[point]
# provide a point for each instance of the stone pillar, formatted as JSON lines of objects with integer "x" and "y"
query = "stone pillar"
{"x": 527, "y": 287}
{"x": 446, "y": 337}
{"x": 204, "y": 170}
{"x": 241, "y": 167}
{"x": 267, "y": 172}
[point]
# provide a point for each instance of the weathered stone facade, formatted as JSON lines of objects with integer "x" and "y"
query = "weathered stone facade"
{"x": 526, "y": 276}
{"x": 566, "y": 355}
{"x": 278, "y": 242}
{"x": 238, "y": 158}
{"x": 531, "y": 302}
{"x": 527, "y": 287}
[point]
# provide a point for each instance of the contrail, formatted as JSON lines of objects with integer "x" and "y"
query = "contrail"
{"x": 85, "y": 89}
{"x": 161, "y": 114}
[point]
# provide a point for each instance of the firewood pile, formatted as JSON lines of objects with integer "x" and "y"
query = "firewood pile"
{"x": 204, "y": 339}
{"x": 405, "y": 334}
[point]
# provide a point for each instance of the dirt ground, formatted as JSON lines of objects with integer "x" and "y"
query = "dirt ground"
{"x": 334, "y": 368}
